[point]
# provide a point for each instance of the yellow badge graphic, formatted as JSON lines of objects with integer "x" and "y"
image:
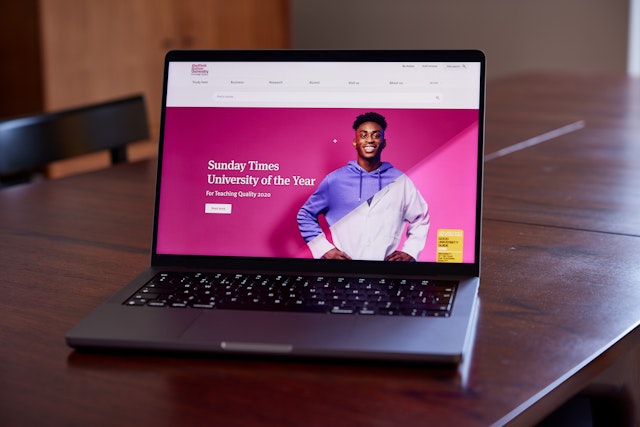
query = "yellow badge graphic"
{"x": 450, "y": 245}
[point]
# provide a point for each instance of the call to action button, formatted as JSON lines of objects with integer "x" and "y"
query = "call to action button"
{"x": 217, "y": 208}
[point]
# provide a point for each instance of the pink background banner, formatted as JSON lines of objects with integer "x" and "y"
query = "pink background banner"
{"x": 437, "y": 149}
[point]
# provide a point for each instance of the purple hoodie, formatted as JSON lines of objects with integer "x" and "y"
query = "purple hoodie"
{"x": 340, "y": 192}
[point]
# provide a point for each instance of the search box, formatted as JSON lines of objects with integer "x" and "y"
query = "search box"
{"x": 325, "y": 98}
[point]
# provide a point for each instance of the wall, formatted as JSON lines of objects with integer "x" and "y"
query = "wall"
{"x": 585, "y": 35}
{"x": 20, "y": 84}
{"x": 65, "y": 53}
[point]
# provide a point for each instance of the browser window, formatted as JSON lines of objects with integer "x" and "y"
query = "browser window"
{"x": 279, "y": 154}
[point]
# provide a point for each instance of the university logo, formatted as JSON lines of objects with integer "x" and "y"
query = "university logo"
{"x": 199, "y": 70}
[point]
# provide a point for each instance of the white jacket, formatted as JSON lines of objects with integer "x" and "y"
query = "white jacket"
{"x": 374, "y": 229}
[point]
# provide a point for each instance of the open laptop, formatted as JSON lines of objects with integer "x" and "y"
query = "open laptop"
{"x": 311, "y": 203}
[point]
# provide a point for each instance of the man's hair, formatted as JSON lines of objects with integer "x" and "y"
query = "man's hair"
{"x": 370, "y": 117}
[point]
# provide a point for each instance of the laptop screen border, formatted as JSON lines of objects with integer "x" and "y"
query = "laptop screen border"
{"x": 259, "y": 264}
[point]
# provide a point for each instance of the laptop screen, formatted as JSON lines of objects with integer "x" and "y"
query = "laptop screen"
{"x": 372, "y": 159}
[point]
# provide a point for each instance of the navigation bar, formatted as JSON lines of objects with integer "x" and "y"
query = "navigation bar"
{"x": 324, "y": 85}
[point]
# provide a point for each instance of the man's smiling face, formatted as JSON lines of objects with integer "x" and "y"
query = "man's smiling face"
{"x": 369, "y": 142}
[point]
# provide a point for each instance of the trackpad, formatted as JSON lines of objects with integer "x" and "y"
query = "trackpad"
{"x": 279, "y": 332}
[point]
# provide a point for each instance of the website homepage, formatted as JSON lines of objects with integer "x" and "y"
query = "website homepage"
{"x": 367, "y": 161}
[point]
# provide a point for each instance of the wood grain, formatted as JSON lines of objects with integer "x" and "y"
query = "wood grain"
{"x": 559, "y": 301}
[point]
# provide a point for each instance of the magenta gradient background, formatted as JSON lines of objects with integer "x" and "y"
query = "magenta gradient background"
{"x": 437, "y": 149}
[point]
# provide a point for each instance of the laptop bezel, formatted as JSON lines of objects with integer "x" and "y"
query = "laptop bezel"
{"x": 319, "y": 265}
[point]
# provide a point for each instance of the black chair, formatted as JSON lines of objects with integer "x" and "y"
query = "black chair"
{"x": 28, "y": 144}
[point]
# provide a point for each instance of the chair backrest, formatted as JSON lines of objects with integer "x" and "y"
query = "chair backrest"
{"x": 29, "y": 143}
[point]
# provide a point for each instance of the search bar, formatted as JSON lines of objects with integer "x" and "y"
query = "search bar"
{"x": 325, "y": 99}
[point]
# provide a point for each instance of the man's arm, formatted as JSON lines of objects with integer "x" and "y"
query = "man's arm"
{"x": 335, "y": 253}
{"x": 416, "y": 213}
{"x": 399, "y": 256}
{"x": 316, "y": 204}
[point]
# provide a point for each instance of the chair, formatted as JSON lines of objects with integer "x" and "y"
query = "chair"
{"x": 28, "y": 144}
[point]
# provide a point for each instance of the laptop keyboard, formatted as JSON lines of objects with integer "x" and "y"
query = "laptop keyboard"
{"x": 323, "y": 294}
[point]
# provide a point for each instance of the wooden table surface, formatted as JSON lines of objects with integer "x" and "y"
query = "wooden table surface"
{"x": 559, "y": 296}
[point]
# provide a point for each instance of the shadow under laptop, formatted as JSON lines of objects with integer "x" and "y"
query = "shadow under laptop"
{"x": 180, "y": 365}
{"x": 141, "y": 360}
{"x": 177, "y": 368}
{"x": 246, "y": 388}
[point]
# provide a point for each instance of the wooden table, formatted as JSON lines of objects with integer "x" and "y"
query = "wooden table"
{"x": 560, "y": 289}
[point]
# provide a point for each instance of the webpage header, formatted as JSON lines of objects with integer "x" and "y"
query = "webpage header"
{"x": 433, "y": 85}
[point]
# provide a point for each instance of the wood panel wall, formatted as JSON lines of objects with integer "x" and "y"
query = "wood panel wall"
{"x": 67, "y": 53}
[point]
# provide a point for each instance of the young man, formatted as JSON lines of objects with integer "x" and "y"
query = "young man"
{"x": 366, "y": 204}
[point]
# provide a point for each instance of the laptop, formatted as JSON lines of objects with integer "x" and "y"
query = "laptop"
{"x": 311, "y": 204}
